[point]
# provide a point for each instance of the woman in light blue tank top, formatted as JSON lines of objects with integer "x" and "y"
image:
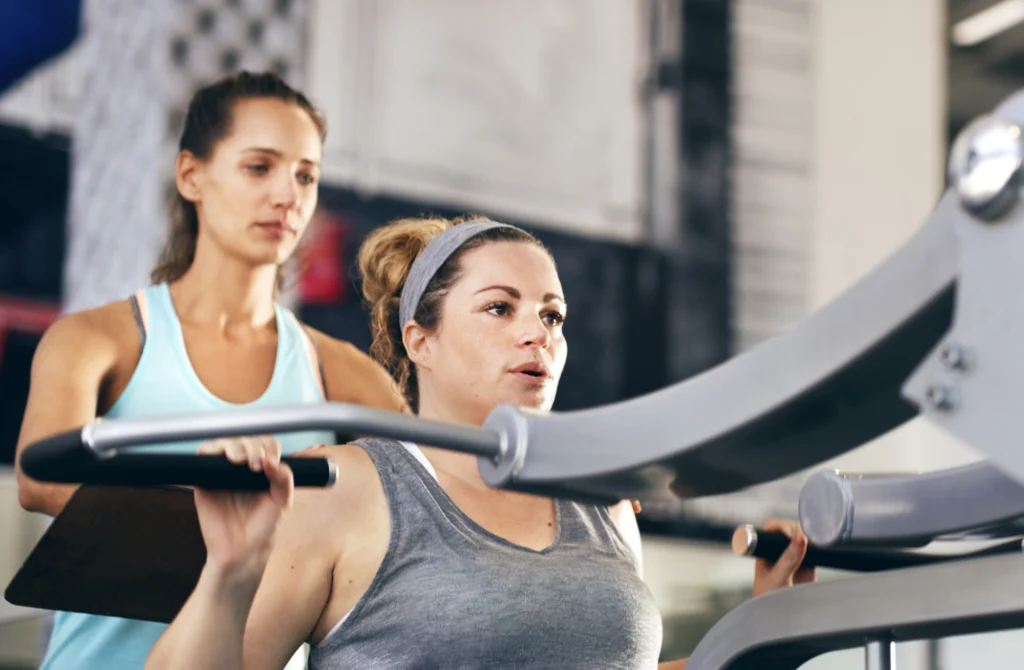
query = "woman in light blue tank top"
{"x": 208, "y": 335}
{"x": 423, "y": 565}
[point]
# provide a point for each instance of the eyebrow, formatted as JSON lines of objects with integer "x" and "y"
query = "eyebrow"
{"x": 548, "y": 297}
{"x": 277, "y": 154}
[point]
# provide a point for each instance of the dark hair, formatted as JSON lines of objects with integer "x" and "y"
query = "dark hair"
{"x": 207, "y": 122}
{"x": 385, "y": 258}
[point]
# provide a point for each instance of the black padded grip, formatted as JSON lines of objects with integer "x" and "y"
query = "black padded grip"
{"x": 64, "y": 459}
{"x": 770, "y": 545}
{"x": 54, "y": 453}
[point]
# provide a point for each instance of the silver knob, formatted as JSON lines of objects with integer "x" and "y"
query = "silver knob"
{"x": 985, "y": 166}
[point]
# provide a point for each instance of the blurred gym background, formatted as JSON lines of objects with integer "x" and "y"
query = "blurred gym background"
{"x": 706, "y": 172}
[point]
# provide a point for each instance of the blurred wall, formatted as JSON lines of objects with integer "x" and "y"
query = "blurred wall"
{"x": 529, "y": 110}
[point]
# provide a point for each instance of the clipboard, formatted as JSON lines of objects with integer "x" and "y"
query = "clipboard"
{"x": 119, "y": 551}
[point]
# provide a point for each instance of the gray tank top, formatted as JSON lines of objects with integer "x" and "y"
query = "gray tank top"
{"x": 449, "y": 594}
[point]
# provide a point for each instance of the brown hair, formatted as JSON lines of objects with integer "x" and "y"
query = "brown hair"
{"x": 385, "y": 258}
{"x": 207, "y": 122}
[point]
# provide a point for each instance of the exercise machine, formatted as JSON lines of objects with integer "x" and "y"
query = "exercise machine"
{"x": 934, "y": 332}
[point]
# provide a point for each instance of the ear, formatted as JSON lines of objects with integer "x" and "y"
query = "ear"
{"x": 418, "y": 344}
{"x": 187, "y": 176}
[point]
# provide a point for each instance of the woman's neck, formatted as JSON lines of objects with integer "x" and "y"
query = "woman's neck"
{"x": 226, "y": 292}
{"x": 457, "y": 464}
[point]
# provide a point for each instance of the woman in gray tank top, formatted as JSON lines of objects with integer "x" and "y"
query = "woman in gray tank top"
{"x": 411, "y": 560}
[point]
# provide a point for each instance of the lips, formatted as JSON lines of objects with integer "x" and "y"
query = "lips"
{"x": 532, "y": 373}
{"x": 275, "y": 227}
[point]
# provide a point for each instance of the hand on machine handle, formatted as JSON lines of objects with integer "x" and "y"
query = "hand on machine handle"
{"x": 238, "y": 526}
{"x": 787, "y": 570}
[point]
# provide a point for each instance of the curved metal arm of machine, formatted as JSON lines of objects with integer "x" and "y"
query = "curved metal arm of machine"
{"x": 838, "y": 508}
{"x": 756, "y": 543}
{"x": 873, "y": 358}
{"x": 805, "y": 396}
{"x": 784, "y": 629}
{"x": 98, "y": 454}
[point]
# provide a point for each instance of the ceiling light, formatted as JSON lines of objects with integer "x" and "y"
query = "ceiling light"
{"x": 989, "y": 22}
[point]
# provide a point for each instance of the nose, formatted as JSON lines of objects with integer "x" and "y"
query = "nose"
{"x": 535, "y": 333}
{"x": 285, "y": 192}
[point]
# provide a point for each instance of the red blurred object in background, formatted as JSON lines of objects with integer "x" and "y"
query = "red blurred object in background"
{"x": 26, "y": 316}
{"x": 324, "y": 277}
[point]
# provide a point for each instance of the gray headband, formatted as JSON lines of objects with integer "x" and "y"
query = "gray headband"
{"x": 432, "y": 258}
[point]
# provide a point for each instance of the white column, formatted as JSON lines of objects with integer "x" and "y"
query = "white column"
{"x": 879, "y": 137}
{"x": 880, "y": 156}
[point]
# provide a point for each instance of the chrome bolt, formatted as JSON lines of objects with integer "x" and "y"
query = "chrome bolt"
{"x": 956, "y": 357}
{"x": 942, "y": 398}
{"x": 985, "y": 166}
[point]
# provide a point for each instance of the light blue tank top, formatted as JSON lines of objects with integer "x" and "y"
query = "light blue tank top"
{"x": 164, "y": 383}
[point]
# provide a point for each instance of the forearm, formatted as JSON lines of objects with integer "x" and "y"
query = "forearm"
{"x": 209, "y": 630}
{"x": 672, "y": 665}
{"x": 48, "y": 499}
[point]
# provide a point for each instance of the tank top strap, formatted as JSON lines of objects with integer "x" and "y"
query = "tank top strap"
{"x": 403, "y": 477}
{"x": 156, "y": 312}
{"x": 591, "y": 525}
{"x": 422, "y": 514}
{"x": 157, "y": 323}
{"x": 296, "y": 332}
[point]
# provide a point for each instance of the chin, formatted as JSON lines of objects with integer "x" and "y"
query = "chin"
{"x": 273, "y": 256}
{"x": 539, "y": 400}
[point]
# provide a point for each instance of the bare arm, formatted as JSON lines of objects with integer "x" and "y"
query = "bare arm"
{"x": 242, "y": 615}
{"x": 352, "y": 376}
{"x": 267, "y": 579}
{"x": 68, "y": 369}
{"x": 209, "y": 629}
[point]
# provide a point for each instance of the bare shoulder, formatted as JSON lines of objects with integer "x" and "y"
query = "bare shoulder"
{"x": 353, "y": 376}
{"x": 99, "y": 332}
{"x": 357, "y": 490}
{"x": 356, "y": 470}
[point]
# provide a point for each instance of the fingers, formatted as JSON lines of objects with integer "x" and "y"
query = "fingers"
{"x": 282, "y": 483}
{"x": 787, "y": 527}
{"x": 787, "y": 570}
{"x": 253, "y": 451}
{"x": 790, "y": 560}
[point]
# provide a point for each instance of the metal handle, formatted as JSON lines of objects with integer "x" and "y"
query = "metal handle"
{"x": 753, "y": 542}
{"x": 61, "y": 459}
{"x": 107, "y": 436}
{"x": 95, "y": 453}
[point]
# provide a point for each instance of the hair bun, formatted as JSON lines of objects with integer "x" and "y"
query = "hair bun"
{"x": 387, "y": 255}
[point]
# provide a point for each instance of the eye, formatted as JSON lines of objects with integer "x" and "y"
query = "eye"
{"x": 499, "y": 308}
{"x": 307, "y": 179}
{"x": 554, "y": 318}
{"x": 257, "y": 168}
